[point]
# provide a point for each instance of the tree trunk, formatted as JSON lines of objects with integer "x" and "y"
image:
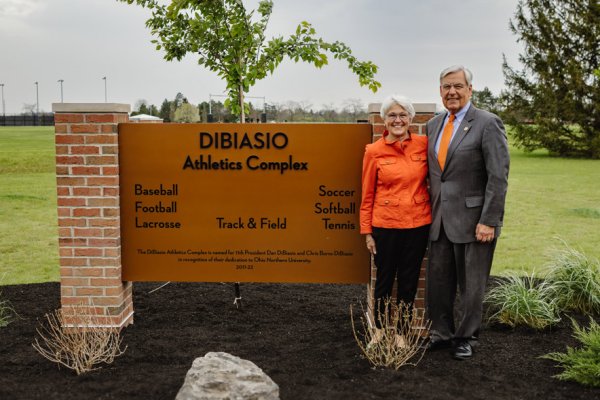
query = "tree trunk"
{"x": 242, "y": 111}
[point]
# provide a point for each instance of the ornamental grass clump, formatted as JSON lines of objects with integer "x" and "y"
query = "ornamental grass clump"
{"x": 81, "y": 347}
{"x": 582, "y": 364}
{"x": 398, "y": 342}
{"x": 7, "y": 313}
{"x": 575, "y": 279}
{"x": 523, "y": 301}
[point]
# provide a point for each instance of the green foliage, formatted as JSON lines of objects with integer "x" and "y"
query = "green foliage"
{"x": 165, "y": 111}
{"x": 228, "y": 40}
{"x": 187, "y": 113}
{"x": 523, "y": 301}
{"x": 486, "y": 100}
{"x": 554, "y": 102}
{"x": 575, "y": 279}
{"x": 581, "y": 365}
{"x": 143, "y": 109}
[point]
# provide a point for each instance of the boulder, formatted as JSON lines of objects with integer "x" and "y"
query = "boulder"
{"x": 220, "y": 376}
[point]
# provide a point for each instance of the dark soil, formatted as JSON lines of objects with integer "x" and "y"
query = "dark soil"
{"x": 300, "y": 335}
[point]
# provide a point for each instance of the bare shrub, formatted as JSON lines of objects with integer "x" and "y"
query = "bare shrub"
{"x": 79, "y": 347}
{"x": 398, "y": 342}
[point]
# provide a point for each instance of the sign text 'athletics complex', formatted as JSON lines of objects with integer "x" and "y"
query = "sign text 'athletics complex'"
{"x": 241, "y": 141}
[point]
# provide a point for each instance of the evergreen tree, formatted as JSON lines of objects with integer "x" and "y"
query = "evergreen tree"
{"x": 203, "y": 110}
{"x": 485, "y": 100}
{"x": 554, "y": 102}
{"x": 144, "y": 109}
{"x": 152, "y": 110}
{"x": 165, "y": 111}
{"x": 175, "y": 104}
{"x": 139, "y": 107}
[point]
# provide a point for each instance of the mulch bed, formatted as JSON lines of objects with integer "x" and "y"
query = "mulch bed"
{"x": 299, "y": 334}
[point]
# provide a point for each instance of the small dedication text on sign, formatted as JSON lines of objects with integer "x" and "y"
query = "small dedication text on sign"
{"x": 242, "y": 202}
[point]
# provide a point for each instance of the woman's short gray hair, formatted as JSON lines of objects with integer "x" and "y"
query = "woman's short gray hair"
{"x": 457, "y": 68}
{"x": 397, "y": 99}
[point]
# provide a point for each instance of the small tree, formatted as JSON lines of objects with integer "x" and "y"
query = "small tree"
{"x": 152, "y": 110}
{"x": 186, "y": 112}
{"x": 554, "y": 102}
{"x": 144, "y": 109}
{"x": 175, "y": 104}
{"x": 229, "y": 42}
{"x": 165, "y": 110}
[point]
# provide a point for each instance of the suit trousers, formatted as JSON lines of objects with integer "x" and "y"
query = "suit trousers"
{"x": 399, "y": 255}
{"x": 466, "y": 265}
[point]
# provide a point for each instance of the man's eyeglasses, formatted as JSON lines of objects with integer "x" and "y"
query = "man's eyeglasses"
{"x": 393, "y": 116}
{"x": 457, "y": 86}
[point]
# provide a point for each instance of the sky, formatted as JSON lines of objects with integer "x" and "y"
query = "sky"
{"x": 411, "y": 41}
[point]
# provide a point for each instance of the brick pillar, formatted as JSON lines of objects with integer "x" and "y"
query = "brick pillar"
{"x": 424, "y": 112}
{"x": 87, "y": 175}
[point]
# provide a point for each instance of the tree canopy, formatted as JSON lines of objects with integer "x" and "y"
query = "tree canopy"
{"x": 289, "y": 111}
{"x": 186, "y": 112}
{"x": 486, "y": 100}
{"x": 554, "y": 102}
{"x": 230, "y": 41}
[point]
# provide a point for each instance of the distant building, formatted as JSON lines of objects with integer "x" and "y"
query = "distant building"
{"x": 145, "y": 118}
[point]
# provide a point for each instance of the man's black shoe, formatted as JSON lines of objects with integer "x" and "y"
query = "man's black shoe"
{"x": 462, "y": 350}
{"x": 438, "y": 344}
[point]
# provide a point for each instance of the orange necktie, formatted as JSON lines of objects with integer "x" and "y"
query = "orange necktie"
{"x": 446, "y": 136}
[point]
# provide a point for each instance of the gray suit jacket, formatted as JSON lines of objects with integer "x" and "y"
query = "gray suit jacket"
{"x": 472, "y": 187}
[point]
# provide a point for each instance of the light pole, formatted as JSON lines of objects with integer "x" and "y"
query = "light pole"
{"x": 61, "y": 89}
{"x": 3, "y": 106}
{"x": 37, "y": 98}
{"x": 105, "y": 96}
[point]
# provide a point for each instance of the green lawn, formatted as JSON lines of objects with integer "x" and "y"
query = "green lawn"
{"x": 547, "y": 198}
{"x": 28, "y": 221}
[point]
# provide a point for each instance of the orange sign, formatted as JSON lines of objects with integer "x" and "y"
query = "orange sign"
{"x": 242, "y": 202}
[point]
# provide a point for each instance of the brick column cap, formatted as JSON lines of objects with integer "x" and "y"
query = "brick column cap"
{"x": 426, "y": 108}
{"x": 91, "y": 108}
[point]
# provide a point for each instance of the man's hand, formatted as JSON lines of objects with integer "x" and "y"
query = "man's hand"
{"x": 371, "y": 244}
{"x": 484, "y": 233}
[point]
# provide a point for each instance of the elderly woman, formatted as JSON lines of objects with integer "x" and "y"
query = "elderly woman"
{"x": 395, "y": 213}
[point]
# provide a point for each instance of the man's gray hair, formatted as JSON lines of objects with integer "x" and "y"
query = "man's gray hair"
{"x": 457, "y": 68}
{"x": 402, "y": 101}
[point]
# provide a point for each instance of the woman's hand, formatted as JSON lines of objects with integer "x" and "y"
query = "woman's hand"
{"x": 371, "y": 244}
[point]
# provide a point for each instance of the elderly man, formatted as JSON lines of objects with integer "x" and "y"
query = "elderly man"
{"x": 468, "y": 173}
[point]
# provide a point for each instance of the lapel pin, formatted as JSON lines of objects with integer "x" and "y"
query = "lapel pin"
{"x": 466, "y": 128}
